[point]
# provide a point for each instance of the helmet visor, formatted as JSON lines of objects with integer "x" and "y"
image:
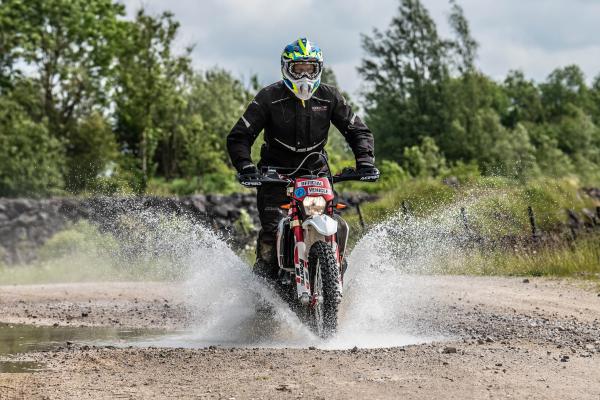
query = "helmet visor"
{"x": 301, "y": 69}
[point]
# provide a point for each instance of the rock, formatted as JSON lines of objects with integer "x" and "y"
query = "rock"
{"x": 20, "y": 206}
{"x": 449, "y": 350}
{"x": 451, "y": 181}
{"x": 525, "y": 280}
{"x": 283, "y": 388}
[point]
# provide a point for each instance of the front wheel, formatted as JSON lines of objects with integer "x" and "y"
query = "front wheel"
{"x": 325, "y": 277}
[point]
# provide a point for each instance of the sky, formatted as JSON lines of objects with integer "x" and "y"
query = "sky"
{"x": 247, "y": 37}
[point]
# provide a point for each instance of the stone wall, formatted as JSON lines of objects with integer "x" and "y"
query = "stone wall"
{"x": 26, "y": 224}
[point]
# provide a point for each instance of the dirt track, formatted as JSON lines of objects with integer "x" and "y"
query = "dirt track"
{"x": 521, "y": 340}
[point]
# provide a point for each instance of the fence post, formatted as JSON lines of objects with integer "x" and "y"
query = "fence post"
{"x": 534, "y": 230}
{"x": 463, "y": 217}
{"x": 405, "y": 210}
{"x": 360, "y": 216}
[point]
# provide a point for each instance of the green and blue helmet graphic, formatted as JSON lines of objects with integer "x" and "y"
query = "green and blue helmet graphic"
{"x": 306, "y": 52}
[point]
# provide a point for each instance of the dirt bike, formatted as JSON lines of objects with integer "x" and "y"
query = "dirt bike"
{"x": 311, "y": 241}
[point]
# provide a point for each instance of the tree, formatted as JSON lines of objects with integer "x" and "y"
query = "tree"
{"x": 216, "y": 101}
{"x": 338, "y": 151}
{"x": 94, "y": 147}
{"x": 595, "y": 100}
{"x": 9, "y": 23}
{"x": 564, "y": 90}
{"x": 149, "y": 92}
{"x": 525, "y": 102}
{"x": 31, "y": 160}
{"x": 465, "y": 46}
{"x": 69, "y": 45}
{"x": 468, "y": 97}
{"x": 59, "y": 56}
{"x": 405, "y": 70}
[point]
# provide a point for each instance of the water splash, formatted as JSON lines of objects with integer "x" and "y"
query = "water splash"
{"x": 231, "y": 305}
{"x": 386, "y": 303}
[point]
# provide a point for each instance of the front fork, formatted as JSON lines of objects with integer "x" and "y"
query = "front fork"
{"x": 301, "y": 263}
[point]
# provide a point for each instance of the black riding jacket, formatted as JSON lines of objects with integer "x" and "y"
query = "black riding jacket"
{"x": 293, "y": 130}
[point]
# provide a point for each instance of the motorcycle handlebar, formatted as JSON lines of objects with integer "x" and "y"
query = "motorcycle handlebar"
{"x": 273, "y": 178}
{"x": 350, "y": 174}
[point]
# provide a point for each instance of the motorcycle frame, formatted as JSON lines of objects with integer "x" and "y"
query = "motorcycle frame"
{"x": 305, "y": 237}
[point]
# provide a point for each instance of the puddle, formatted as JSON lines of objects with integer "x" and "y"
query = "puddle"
{"x": 19, "y": 367}
{"x": 22, "y": 339}
{"x": 19, "y": 339}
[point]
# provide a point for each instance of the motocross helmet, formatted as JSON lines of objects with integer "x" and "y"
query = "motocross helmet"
{"x": 301, "y": 67}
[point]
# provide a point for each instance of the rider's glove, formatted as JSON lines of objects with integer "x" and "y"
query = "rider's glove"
{"x": 249, "y": 175}
{"x": 249, "y": 169}
{"x": 367, "y": 170}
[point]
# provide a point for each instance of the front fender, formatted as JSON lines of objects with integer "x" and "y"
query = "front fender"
{"x": 323, "y": 224}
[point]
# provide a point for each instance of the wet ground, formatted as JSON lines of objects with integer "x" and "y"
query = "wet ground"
{"x": 492, "y": 337}
{"x": 21, "y": 339}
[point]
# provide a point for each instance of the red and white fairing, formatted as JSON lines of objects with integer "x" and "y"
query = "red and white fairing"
{"x": 322, "y": 224}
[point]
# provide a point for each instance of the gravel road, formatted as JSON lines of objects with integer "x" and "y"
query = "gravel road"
{"x": 506, "y": 337}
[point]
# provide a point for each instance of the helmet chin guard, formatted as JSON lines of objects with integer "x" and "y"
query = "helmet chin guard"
{"x": 302, "y": 51}
{"x": 304, "y": 88}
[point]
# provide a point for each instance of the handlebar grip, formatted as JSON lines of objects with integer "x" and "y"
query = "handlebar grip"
{"x": 352, "y": 175}
{"x": 257, "y": 181}
{"x": 250, "y": 183}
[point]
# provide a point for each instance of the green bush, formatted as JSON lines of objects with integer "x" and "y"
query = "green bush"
{"x": 31, "y": 161}
{"x": 80, "y": 238}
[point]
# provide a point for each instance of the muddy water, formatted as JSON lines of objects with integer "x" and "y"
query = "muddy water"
{"x": 22, "y": 339}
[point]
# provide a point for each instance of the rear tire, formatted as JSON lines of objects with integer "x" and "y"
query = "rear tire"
{"x": 325, "y": 278}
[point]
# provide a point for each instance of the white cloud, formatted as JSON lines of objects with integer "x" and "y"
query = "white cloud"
{"x": 247, "y": 36}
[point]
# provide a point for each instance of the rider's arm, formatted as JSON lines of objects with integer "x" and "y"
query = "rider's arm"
{"x": 356, "y": 133}
{"x": 246, "y": 130}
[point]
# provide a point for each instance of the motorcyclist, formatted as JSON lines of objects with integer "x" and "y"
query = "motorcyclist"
{"x": 295, "y": 114}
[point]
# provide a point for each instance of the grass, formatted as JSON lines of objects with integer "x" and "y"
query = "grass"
{"x": 81, "y": 253}
{"x": 579, "y": 259}
{"x": 497, "y": 208}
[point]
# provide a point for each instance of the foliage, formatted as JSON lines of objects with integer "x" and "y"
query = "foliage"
{"x": 216, "y": 100}
{"x": 94, "y": 143}
{"x": 150, "y": 100}
{"x": 405, "y": 74}
{"x": 97, "y": 103}
{"x": 421, "y": 85}
{"x": 31, "y": 160}
{"x": 424, "y": 160}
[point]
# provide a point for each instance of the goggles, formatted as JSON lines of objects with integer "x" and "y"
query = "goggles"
{"x": 298, "y": 70}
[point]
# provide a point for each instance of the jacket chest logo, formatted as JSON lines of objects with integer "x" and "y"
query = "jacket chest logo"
{"x": 319, "y": 108}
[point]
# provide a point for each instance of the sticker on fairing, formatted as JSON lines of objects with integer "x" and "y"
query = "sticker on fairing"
{"x": 316, "y": 190}
{"x": 300, "y": 192}
{"x": 310, "y": 183}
